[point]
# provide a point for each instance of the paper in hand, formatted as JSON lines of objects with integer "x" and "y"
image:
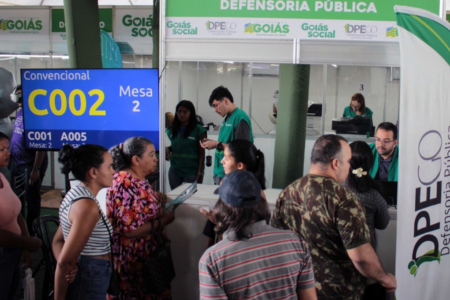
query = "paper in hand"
{"x": 186, "y": 194}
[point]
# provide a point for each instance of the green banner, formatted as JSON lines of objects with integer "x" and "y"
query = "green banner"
{"x": 429, "y": 31}
{"x": 58, "y": 22}
{"x": 376, "y": 10}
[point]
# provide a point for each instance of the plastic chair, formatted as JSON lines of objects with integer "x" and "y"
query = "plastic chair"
{"x": 42, "y": 227}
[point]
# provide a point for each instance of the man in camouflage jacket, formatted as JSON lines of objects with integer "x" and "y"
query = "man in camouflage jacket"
{"x": 332, "y": 221}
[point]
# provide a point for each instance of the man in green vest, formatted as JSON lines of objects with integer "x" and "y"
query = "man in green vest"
{"x": 236, "y": 125}
{"x": 385, "y": 152}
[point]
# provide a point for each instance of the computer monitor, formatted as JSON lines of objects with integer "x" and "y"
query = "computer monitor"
{"x": 359, "y": 125}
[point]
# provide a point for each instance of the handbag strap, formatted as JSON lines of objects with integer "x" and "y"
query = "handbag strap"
{"x": 110, "y": 237}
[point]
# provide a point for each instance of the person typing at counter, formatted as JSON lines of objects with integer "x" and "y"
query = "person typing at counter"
{"x": 236, "y": 125}
{"x": 357, "y": 107}
{"x": 254, "y": 260}
{"x": 385, "y": 152}
{"x": 331, "y": 219}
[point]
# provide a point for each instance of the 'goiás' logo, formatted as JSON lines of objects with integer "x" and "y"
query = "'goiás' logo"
{"x": 361, "y": 32}
{"x": 267, "y": 28}
{"x": 318, "y": 31}
{"x": 182, "y": 28}
{"x": 21, "y": 24}
{"x": 221, "y": 28}
{"x": 140, "y": 26}
{"x": 392, "y": 32}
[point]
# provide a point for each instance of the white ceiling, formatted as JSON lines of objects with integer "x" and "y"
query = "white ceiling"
{"x": 61, "y": 2}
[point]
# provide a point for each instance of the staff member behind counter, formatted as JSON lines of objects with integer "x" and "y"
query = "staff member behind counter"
{"x": 357, "y": 107}
{"x": 187, "y": 158}
{"x": 236, "y": 125}
{"x": 385, "y": 153}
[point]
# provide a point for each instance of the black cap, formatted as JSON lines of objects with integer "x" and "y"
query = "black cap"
{"x": 240, "y": 188}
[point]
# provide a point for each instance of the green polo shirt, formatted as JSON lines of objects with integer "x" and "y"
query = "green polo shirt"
{"x": 185, "y": 159}
{"x": 226, "y": 135}
{"x": 349, "y": 113}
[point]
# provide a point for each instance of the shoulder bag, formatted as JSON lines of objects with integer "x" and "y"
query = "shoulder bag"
{"x": 158, "y": 267}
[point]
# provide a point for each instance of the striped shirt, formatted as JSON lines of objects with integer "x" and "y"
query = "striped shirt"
{"x": 272, "y": 264}
{"x": 98, "y": 242}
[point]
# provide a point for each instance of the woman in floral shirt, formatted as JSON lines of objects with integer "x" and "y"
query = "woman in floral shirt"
{"x": 133, "y": 207}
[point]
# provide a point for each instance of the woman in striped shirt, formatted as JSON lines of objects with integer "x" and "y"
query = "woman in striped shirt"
{"x": 82, "y": 239}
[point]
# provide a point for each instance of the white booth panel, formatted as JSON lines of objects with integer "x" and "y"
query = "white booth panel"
{"x": 286, "y": 51}
{"x": 380, "y": 54}
{"x": 280, "y": 51}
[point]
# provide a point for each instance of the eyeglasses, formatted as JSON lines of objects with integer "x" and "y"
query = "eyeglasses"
{"x": 355, "y": 107}
{"x": 384, "y": 142}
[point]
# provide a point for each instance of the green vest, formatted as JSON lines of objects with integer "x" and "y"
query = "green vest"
{"x": 184, "y": 159}
{"x": 226, "y": 135}
{"x": 393, "y": 168}
{"x": 349, "y": 113}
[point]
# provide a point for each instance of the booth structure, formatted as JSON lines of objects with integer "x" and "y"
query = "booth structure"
{"x": 240, "y": 44}
{"x": 351, "y": 47}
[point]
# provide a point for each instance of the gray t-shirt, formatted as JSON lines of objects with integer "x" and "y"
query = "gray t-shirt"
{"x": 242, "y": 131}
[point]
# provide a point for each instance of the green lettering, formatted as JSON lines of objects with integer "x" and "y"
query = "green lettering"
{"x": 126, "y": 20}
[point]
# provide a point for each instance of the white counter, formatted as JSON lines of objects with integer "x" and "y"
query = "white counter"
{"x": 189, "y": 243}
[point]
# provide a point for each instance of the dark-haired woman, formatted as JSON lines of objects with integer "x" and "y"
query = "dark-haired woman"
{"x": 186, "y": 156}
{"x": 357, "y": 107}
{"x": 133, "y": 207}
{"x": 238, "y": 155}
{"x": 15, "y": 243}
{"x": 367, "y": 189}
{"x": 82, "y": 239}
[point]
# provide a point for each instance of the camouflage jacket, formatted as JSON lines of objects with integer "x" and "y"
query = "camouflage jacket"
{"x": 331, "y": 219}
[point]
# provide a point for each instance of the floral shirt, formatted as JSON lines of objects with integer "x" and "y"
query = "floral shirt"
{"x": 130, "y": 203}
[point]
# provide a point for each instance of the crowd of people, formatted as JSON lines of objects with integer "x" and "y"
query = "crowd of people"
{"x": 320, "y": 242}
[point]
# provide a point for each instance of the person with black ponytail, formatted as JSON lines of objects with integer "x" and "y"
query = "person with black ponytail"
{"x": 82, "y": 239}
{"x": 238, "y": 155}
{"x": 367, "y": 189}
{"x": 134, "y": 208}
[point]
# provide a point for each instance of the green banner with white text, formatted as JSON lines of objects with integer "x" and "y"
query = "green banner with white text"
{"x": 302, "y": 19}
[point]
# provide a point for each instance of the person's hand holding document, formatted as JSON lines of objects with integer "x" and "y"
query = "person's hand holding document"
{"x": 186, "y": 194}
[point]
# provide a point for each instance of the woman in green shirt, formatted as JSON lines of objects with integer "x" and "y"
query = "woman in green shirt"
{"x": 186, "y": 156}
{"x": 357, "y": 107}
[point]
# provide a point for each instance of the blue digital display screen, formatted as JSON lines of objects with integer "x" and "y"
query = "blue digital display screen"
{"x": 89, "y": 106}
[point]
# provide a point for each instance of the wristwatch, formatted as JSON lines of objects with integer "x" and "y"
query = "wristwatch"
{"x": 36, "y": 168}
{"x": 219, "y": 146}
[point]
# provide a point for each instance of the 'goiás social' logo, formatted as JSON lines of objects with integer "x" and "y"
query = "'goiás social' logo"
{"x": 182, "y": 28}
{"x": 21, "y": 25}
{"x": 391, "y": 32}
{"x": 361, "y": 32}
{"x": 141, "y": 27}
{"x": 318, "y": 31}
{"x": 267, "y": 28}
{"x": 221, "y": 28}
